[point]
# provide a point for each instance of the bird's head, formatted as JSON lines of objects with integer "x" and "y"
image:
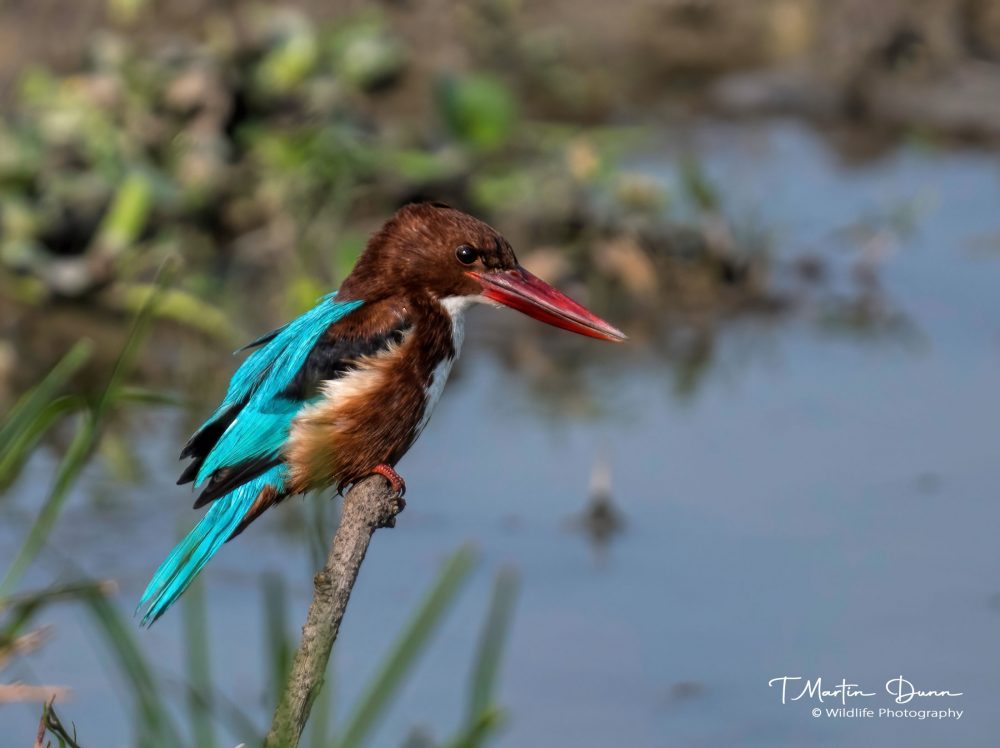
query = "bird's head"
{"x": 433, "y": 249}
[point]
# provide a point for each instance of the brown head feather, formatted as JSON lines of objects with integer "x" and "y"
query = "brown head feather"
{"x": 414, "y": 254}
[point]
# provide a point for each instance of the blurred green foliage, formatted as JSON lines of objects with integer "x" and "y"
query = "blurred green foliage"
{"x": 479, "y": 110}
{"x": 268, "y": 145}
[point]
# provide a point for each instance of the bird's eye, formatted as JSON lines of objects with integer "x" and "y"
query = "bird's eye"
{"x": 466, "y": 254}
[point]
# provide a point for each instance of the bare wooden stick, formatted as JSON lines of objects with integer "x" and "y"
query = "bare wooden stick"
{"x": 369, "y": 505}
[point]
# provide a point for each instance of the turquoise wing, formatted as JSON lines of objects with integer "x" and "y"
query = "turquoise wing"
{"x": 237, "y": 451}
{"x": 245, "y": 434}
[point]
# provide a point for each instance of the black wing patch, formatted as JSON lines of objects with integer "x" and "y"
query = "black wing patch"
{"x": 224, "y": 480}
{"x": 265, "y": 338}
{"x": 332, "y": 357}
{"x": 204, "y": 439}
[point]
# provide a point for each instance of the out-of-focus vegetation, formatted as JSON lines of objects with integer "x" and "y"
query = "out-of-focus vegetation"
{"x": 259, "y": 145}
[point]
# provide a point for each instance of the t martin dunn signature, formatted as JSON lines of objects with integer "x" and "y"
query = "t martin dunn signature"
{"x": 794, "y": 687}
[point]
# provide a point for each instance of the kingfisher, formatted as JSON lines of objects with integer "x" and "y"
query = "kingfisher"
{"x": 343, "y": 391}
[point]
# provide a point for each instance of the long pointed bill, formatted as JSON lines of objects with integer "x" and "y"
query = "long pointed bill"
{"x": 526, "y": 293}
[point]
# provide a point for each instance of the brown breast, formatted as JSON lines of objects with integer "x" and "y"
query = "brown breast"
{"x": 370, "y": 415}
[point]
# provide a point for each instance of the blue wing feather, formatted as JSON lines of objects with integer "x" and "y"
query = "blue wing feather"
{"x": 259, "y": 429}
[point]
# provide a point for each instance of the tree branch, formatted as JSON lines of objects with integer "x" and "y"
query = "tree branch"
{"x": 369, "y": 505}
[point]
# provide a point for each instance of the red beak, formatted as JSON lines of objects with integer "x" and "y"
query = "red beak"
{"x": 520, "y": 290}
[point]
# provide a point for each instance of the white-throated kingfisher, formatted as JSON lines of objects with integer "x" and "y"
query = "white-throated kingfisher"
{"x": 343, "y": 391}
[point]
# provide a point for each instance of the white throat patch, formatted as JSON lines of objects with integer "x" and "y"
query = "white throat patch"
{"x": 455, "y": 307}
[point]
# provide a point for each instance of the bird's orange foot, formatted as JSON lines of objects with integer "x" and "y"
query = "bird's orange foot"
{"x": 394, "y": 478}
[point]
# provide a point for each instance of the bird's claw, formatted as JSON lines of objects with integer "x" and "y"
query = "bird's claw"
{"x": 398, "y": 486}
{"x": 395, "y": 480}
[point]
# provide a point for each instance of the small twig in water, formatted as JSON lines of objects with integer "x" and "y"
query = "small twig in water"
{"x": 50, "y": 722}
{"x": 40, "y": 735}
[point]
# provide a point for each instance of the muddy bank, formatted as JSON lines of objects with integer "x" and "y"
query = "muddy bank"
{"x": 925, "y": 64}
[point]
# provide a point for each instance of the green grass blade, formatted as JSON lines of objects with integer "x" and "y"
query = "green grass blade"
{"x": 155, "y": 725}
{"x": 32, "y": 403}
{"x": 136, "y": 336}
{"x": 279, "y": 647}
{"x": 475, "y": 733}
{"x": 228, "y": 713}
{"x": 408, "y": 646}
{"x": 143, "y": 396}
{"x": 483, "y": 717}
{"x": 70, "y": 467}
{"x": 486, "y": 670}
{"x": 18, "y": 449}
{"x": 20, "y": 609}
{"x": 56, "y": 593}
{"x": 197, "y": 658}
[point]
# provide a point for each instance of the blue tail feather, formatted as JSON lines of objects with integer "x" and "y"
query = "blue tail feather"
{"x": 247, "y": 431}
{"x": 191, "y": 554}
